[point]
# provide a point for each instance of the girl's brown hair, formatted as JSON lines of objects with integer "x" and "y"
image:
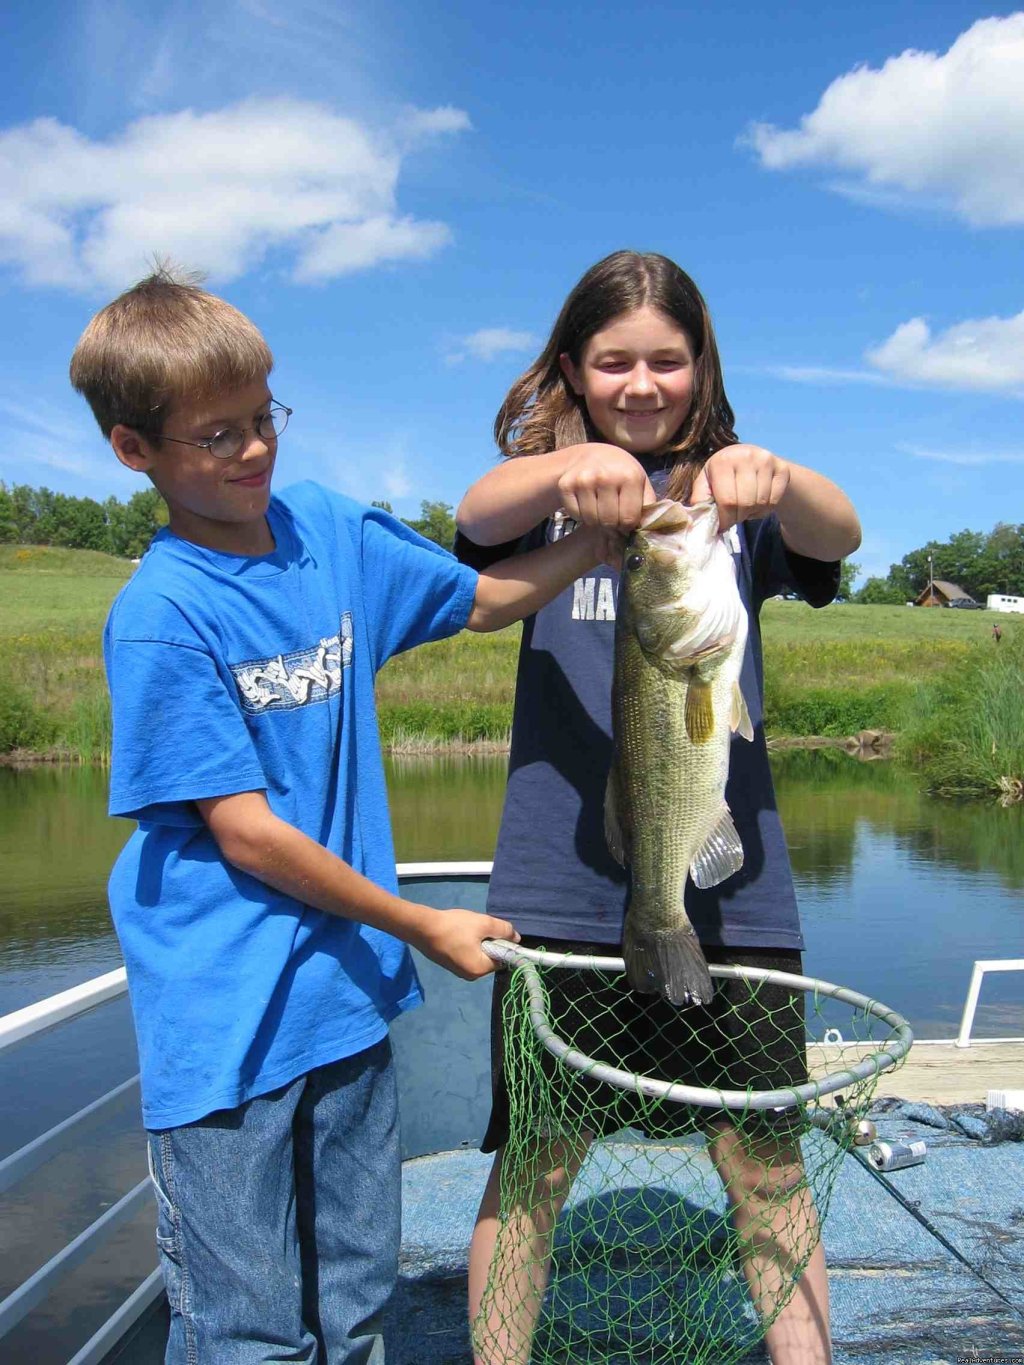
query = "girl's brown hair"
{"x": 542, "y": 413}
{"x": 164, "y": 340}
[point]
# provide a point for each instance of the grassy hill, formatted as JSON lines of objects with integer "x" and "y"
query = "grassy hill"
{"x": 829, "y": 672}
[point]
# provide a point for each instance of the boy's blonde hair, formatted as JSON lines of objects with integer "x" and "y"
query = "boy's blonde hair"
{"x": 165, "y": 339}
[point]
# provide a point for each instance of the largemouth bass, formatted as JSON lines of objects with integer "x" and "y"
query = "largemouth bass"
{"x": 680, "y": 633}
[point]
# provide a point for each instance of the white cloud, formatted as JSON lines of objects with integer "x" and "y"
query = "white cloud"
{"x": 344, "y": 247}
{"x": 216, "y": 191}
{"x": 985, "y": 354}
{"x": 971, "y": 459}
{"x": 825, "y": 374}
{"x": 430, "y": 122}
{"x": 397, "y": 483}
{"x": 488, "y": 343}
{"x": 935, "y": 128}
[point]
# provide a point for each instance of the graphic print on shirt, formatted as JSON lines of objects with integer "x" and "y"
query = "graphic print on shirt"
{"x": 302, "y": 678}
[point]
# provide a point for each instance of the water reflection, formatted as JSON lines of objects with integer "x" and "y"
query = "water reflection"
{"x": 899, "y": 893}
{"x": 825, "y": 797}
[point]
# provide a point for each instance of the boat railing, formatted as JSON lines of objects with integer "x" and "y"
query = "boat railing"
{"x": 33, "y": 1019}
{"x": 57, "y": 1009}
{"x": 995, "y": 964}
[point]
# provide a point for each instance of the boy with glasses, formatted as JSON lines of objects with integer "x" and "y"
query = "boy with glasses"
{"x": 256, "y": 902}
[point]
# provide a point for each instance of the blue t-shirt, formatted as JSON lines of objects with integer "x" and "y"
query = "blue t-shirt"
{"x": 553, "y": 875}
{"x": 230, "y": 674}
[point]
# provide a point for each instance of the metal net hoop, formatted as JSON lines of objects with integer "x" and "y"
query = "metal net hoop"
{"x": 872, "y": 1064}
{"x": 644, "y": 1219}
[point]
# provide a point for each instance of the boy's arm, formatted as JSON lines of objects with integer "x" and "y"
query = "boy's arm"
{"x": 256, "y": 841}
{"x": 517, "y": 587}
{"x": 595, "y": 484}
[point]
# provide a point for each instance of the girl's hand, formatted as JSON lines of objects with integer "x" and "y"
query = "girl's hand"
{"x": 605, "y": 486}
{"x": 745, "y": 482}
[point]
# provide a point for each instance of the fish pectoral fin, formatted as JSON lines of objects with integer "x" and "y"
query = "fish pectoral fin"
{"x": 613, "y": 832}
{"x": 739, "y": 717}
{"x": 720, "y": 855}
{"x": 700, "y": 711}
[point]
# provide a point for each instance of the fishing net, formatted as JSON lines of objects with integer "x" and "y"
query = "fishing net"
{"x": 666, "y": 1170}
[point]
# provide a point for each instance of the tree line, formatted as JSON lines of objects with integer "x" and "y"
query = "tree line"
{"x": 981, "y": 563}
{"x": 38, "y": 516}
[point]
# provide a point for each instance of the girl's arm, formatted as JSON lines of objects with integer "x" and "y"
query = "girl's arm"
{"x": 816, "y": 517}
{"x": 597, "y": 485}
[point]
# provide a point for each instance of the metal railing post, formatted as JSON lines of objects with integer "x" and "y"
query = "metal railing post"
{"x": 999, "y": 964}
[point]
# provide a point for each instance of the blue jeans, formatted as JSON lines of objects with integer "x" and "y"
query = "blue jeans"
{"x": 279, "y": 1222}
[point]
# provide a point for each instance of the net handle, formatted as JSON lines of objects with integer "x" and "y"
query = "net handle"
{"x": 527, "y": 959}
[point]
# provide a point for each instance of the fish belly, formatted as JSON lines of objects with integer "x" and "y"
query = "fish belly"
{"x": 672, "y": 791}
{"x": 669, "y": 793}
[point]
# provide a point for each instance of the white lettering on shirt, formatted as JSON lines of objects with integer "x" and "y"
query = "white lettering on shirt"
{"x": 583, "y": 599}
{"x": 605, "y": 600}
{"x": 593, "y": 599}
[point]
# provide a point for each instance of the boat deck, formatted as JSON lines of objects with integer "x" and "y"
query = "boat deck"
{"x": 899, "y": 1296}
{"x": 941, "y": 1073}
{"x": 898, "y": 1293}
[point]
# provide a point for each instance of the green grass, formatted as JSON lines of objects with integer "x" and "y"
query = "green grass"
{"x": 965, "y": 730}
{"x": 830, "y": 672}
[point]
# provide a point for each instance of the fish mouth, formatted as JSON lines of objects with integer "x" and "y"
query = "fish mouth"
{"x": 672, "y": 528}
{"x": 667, "y": 516}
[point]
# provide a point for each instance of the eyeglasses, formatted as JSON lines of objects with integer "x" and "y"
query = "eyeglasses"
{"x": 226, "y": 444}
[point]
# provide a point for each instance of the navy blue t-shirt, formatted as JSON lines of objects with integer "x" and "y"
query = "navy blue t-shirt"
{"x": 553, "y": 875}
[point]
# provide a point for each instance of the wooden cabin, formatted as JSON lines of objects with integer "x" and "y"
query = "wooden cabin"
{"x": 939, "y": 593}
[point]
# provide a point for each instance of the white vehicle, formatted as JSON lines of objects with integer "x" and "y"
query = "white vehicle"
{"x": 1000, "y": 602}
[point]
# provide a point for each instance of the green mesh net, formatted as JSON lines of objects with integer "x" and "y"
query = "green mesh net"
{"x": 637, "y": 1229}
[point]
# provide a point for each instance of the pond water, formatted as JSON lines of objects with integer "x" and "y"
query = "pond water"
{"x": 899, "y": 895}
{"x": 899, "y": 892}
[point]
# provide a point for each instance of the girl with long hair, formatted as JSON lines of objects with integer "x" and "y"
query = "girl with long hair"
{"x": 625, "y": 404}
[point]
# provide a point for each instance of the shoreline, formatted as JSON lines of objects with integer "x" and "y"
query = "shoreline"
{"x": 869, "y": 744}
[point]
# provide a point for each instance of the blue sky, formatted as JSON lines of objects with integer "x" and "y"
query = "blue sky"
{"x": 402, "y": 194}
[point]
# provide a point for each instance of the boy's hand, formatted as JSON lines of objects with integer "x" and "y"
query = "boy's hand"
{"x": 605, "y": 486}
{"x": 745, "y": 482}
{"x": 452, "y": 939}
{"x": 607, "y": 546}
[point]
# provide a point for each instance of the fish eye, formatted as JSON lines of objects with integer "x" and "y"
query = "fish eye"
{"x": 634, "y": 561}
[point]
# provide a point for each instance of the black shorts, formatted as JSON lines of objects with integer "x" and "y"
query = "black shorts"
{"x": 748, "y": 1037}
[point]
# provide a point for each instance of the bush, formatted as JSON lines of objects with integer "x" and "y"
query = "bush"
{"x": 23, "y": 725}
{"x": 832, "y": 711}
{"x": 456, "y": 722}
{"x": 966, "y": 727}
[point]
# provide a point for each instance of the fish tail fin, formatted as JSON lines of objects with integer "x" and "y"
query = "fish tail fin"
{"x": 668, "y": 963}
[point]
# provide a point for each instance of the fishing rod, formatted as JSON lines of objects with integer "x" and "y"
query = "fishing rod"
{"x": 921, "y": 1218}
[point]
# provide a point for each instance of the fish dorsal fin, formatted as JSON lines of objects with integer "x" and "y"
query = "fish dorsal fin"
{"x": 700, "y": 712}
{"x": 614, "y": 834}
{"x": 739, "y": 716}
{"x": 720, "y": 855}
